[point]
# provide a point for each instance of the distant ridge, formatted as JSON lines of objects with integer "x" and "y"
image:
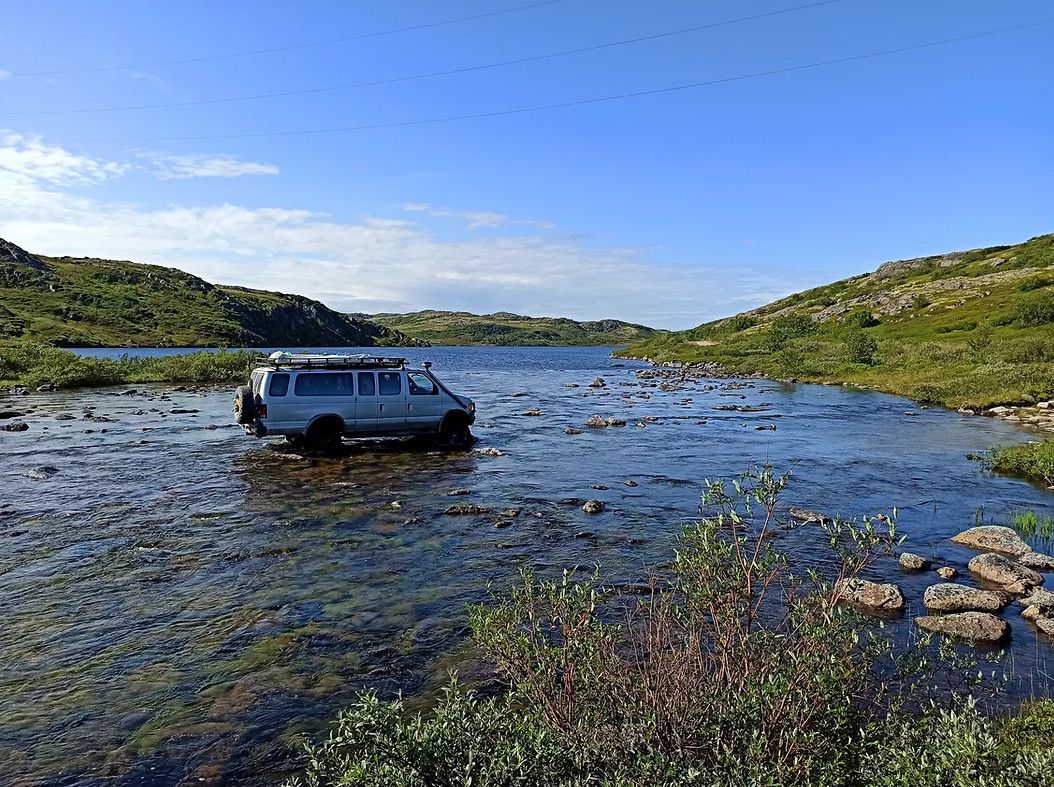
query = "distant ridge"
{"x": 506, "y": 328}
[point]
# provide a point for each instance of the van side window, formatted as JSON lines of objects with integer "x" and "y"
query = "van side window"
{"x": 367, "y": 384}
{"x": 421, "y": 385}
{"x": 324, "y": 384}
{"x": 279, "y": 385}
{"x": 389, "y": 383}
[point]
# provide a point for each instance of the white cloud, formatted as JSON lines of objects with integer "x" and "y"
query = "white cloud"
{"x": 4, "y": 74}
{"x": 373, "y": 264}
{"x": 166, "y": 166}
{"x": 474, "y": 219}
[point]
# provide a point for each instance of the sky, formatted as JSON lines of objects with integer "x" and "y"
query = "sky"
{"x": 782, "y": 171}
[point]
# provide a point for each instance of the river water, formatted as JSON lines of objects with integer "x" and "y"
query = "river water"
{"x": 181, "y": 601}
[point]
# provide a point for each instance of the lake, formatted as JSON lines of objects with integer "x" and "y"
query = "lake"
{"x": 181, "y": 601}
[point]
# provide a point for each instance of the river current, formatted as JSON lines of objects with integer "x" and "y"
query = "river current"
{"x": 181, "y": 601}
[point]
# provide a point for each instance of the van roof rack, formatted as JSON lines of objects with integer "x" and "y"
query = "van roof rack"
{"x": 330, "y": 361}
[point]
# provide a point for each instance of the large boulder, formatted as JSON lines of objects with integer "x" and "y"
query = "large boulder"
{"x": 1000, "y": 570}
{"x": 596, "y": 422}
{"x": 953, "y": 597}
{"x": 1044, "y": 599}
{"x": 1046, "y": 625}
{"x": 993, "y": 538}
{"x": 872, "y": 595}
{"x": 975, "y": 626}
{"x": 1037, "y": 560}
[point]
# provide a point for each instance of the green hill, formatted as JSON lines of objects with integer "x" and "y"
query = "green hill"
{"x": 504, "y": 328}
{"x": 78, "y": 302}
{"x": 967, "y": 329}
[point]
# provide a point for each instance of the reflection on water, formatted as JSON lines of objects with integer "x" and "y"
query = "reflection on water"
{"x": 180, "y": 601}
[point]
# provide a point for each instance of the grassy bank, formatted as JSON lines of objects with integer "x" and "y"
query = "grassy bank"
{"x": 972, "y": 330}
{"x": 731, "y": 669}
{"x": 34, "y": 365}
{"x": 1034, "y": 461}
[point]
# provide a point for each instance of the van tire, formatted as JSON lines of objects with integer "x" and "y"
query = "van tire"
{"x": 325, "y": 435}
{"x": 244, "y": 405}
{"x": 454, "y": 431}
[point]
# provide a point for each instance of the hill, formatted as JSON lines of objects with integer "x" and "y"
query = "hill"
{"x": 967, "y": 329}
{"x": 88, "y": 302}
{"x": 504, "y": 328}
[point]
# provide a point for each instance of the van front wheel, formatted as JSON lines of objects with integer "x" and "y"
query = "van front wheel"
{"x": 454, "y": 432}
{"x": 325, "y": 436}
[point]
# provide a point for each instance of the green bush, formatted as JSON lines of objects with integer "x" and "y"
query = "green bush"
{"x": 861, "y": 347}
{"x": 1037, "y": 310}
{"x": 1035, "y": 283}
{"x": 733, "y": 670}
{"x": 860, "y": 319}
{"x": 783, "y": 329}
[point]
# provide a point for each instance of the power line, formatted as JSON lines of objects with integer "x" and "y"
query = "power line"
{"x": 584, "y": 101}
{"x": 432, "y": 74}
{"x": 290, "y": 47}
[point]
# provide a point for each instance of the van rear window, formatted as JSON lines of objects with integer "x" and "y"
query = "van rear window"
{"x": 325, "y": 384}
{"x": 279, "y": 384}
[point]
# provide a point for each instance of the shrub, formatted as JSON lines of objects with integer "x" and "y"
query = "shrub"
{"x": 732, "y": 671}
{"x": 1038, "y": 310}
{"x": 783, "y": 329}
{"x": 980, "y": 341}
{"x": 920, "y": 301}
{"x": 861, "y": 347}
{"x": 739, "y": 323}
{"x": 860, "y": 319}
{"x": 1035, "y": 283}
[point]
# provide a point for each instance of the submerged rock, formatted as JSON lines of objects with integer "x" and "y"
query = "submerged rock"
{"x": 974, "y": 626}
{"x": 593, "y": 506}
{"x": 616, "y": 421}
{"x": 952, "y": 597}
{"x": 15, "y": 426}
{"x": 1000, "y": 570}
{"x": 805, "y": 515}
{"x": 489, "y": 452}
{"x": 909, "y": 561}
{"x": 872, "y": 595}
{"x": 466, "y": 509}
{"x": 42, "y": 472}
{"x": 533, "y": 412}
{"x": 947, "y": 572}
{"x": 572, "y": 430}
{"x": 598, "y": 383}
{"x": 993, "y": 538}
{"x": 596, "y": 422}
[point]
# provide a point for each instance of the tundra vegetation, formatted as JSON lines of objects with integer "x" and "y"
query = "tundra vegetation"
{"x": 1028, "y": 460}
{"x": 33, "y": 365}
{"x": 731, "y": 668}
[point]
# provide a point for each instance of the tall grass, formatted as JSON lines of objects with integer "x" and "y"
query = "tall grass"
{"x": 1034, "y": 461}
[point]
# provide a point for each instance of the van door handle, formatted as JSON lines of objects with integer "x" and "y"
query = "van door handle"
{"x": 380, "y": 408}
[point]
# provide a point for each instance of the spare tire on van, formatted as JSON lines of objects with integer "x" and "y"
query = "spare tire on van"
{"x": 244, "y": 405}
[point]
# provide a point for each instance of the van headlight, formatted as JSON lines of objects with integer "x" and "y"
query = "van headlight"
{"x": 472, "y": 407}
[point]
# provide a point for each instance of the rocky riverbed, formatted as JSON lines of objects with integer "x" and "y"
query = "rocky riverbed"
{"x": 181, "y": 600}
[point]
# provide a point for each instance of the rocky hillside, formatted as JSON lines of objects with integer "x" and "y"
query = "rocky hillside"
{"x": 504, "y": 328}
{"x": 77, "y": 302}
{"x": 970, "y": 329}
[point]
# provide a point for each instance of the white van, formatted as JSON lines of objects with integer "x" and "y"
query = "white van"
{"x": 319, "y": 399}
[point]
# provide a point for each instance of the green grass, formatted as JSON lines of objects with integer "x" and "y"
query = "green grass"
{"x": 1034, "y": 461}
{"x": 503, "y": 328}
{"x": 34, "y": 364}
{"x": 975, "y": 332}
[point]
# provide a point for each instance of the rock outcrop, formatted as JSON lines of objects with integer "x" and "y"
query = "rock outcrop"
{"x": 974, "y": 626}
{"x": 872, "y": 595}
{"x": 952, "y": 597}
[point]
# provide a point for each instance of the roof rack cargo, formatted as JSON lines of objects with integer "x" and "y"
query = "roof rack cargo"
{"x": 329, "y": 361}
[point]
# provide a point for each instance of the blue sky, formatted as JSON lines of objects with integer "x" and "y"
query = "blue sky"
{"x": 668, "y": 209}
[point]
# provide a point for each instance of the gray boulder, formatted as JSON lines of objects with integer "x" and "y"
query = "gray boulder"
{"x": 596, "y": 422}
{"x": 1000, "y": 570}
{"x": 909, "y": 561}
{"x": 952, "y": 597}
{"x": 993, "y": 538}
{"x": 1037, "y": 560}
{"x": 974, "y": 626}
{"x": 871, "y": 595}
{"x": 1039, "y": 598}
{"x": 1046, "y": 625}
{"x": 593, "y": 506}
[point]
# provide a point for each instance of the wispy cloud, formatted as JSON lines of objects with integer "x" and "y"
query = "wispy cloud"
{"x": 166, "y": 166}
{"x": 4, "y": 74}
{"x": 378, "y": 263}
{"x": 474, "y": 219}
{"x": 150, "y": 79}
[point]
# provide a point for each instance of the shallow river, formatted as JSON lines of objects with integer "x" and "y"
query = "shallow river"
{"x": 181, "y": 601}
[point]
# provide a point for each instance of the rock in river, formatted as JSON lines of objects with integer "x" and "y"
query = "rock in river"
{"x": 1044, "y": 599}
{"x": 42, "y": 472}
{"x": 993, "y": 538}
{"x": 596, "y": 422}
{"x": 1000, "y": 570}
{"x": 598, "y": 383}
{"x": 952, "y": 597}
{"x": 976, "y": 626}
{"x": 593, "y": 506}
{"x": 1037, "y": 560}
{"x": 872, "y": 595}
{"x": 466, "y": 509}
{"x": 947, "y": 572}
{"x": 14, "y": 426}
{"x": 909, "y": 561}
{"x": 805, "y": 515}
